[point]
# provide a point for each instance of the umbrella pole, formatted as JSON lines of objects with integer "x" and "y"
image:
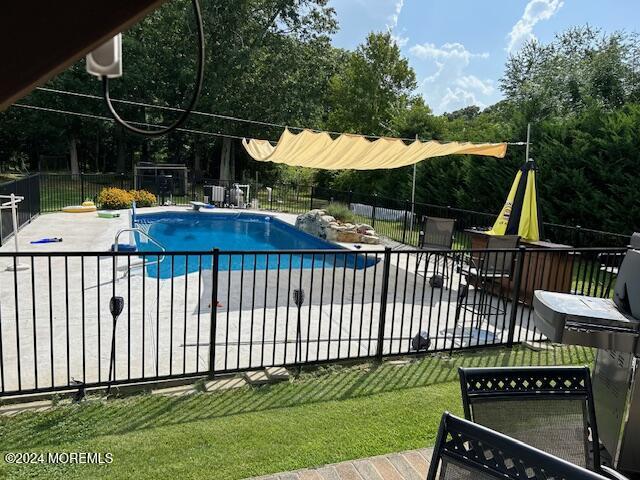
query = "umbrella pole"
{"x": 413, "y": 192}
{"x": 528, "y": 139}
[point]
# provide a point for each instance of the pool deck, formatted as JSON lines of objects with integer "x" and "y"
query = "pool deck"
{"x": 165, "y": 327}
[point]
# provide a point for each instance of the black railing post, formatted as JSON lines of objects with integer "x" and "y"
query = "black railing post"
{"x": 383, "y": 302}
{"x": 373, "y": 210}
{"x": 214, "y": 311}
{"x": 515, "y": 293}
{"x": 577, "y": 236}
{"x": 311, "y": 199}
{"x": 349, "y": 199}
{"x": 82, "y": 187}
{"x": 404, "y": 221}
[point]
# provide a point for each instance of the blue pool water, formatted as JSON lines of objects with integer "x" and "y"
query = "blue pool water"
{"x": 242, "y": 231}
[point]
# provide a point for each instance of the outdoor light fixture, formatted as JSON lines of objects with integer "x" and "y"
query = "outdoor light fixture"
{"x": 298, "y": 299}
{"x": 105, "y": 62}
{"x": 116, "y": 305}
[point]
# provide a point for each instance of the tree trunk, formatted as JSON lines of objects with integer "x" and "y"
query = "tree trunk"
{"x": 73, "y": 156}
{"x": 226, "y": 168}
{"x": 197, "y": 159}
{"x": 120, "y": 165}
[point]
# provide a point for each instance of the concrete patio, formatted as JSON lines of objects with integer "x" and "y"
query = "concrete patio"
{"x": 57, "y": 324}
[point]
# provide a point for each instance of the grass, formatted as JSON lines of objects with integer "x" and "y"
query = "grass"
{"x": 324, "y": 416}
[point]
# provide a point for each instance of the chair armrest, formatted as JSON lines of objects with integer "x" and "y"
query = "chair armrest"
{"x": 611, "y": 473}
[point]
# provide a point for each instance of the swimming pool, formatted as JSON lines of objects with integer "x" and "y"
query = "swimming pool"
{"x": 235, "y": 231}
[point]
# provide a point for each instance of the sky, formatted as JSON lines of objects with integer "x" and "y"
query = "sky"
{"x": 458, "y": 48}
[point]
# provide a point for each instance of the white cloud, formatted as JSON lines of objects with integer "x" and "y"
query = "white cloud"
{"x": 393, "y": 19}
{"x": 400, "y": 40}
{"x": 534, "y": 12}
{"x": 474, "y": 83}
{"x": 450, "y": 86}
{"x": 446, "y": 51}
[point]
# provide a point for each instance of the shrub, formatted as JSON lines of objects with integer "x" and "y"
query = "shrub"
{"x": 114, "y": 198}
{"x": 143, "y": 198}
{"x": 340, "y": 212}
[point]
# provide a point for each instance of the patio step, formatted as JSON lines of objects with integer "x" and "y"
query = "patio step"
{"x": 409, "y": 465}
{"x": 277, "y": 374}
{"x": 256, "y": 377}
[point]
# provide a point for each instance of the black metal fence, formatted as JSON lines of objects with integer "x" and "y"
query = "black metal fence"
{"x": 399, "y": 220}
{"x": 197, "y": 314}
{"x": 27, "y": 187}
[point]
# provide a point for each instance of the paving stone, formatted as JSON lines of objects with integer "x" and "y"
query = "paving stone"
{"x": 277, "y": 373}
{"x": 309, "y": 475}
{"x": 14, "y": 408}
{"x": 386, "y": 470}
{"x": 328, "y": 473}
{"x": 366, "y": 470}
{"x": 404, "y": 467}
{"x": 174, "y": 391}
{"x": 427, "y": 453}
{"x": 288, "y": 476}
{"x": 257, "y": 377}
{"x": 418, "y": 462}
{"x": 224, "y": 384}
{"x": 346, "y": 471}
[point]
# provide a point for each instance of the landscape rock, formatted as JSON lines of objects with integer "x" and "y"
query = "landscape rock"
{"x": 319, "y": 224}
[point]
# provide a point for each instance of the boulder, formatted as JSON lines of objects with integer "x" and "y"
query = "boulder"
{"x": 370, "y": 239}
{"x": 348, "y": 236}
{"x": 319, "y": 224}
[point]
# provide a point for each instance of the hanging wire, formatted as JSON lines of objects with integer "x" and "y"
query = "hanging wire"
{"x": 158, "y": 132}
{"x": 109, "y": 119}
{"x": 229, "y": 117}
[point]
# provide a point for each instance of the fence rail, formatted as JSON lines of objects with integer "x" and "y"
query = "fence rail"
{"x": 206, "y": 313}
{"x": 29, "y": 208}
{"x": 399, "y": 220}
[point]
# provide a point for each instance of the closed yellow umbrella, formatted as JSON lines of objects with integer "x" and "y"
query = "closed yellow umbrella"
{"x": 519, "y": 215}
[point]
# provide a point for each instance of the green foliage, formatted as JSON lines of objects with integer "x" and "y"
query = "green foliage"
{"x": 340, "y": 212}
{"x": 375, "y": 82}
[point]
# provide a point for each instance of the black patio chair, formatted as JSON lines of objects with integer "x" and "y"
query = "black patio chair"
{"x": 467, "y": 451}
{"x": 483, "y": 271}
{"x": 436, "y": 234}
{"x": 550, "y": 408}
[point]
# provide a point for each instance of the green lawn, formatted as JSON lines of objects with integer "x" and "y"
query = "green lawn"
{"x": 324, "y": 416}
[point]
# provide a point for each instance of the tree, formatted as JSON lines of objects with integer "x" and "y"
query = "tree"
{"x": 375, "y": 83}
{"x": 580, "y": 69}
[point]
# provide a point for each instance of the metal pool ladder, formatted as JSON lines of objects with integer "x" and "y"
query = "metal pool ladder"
{"x": 141, "y": 262}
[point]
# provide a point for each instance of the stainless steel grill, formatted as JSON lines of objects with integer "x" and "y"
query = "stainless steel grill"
{"x": 613, "y": 327}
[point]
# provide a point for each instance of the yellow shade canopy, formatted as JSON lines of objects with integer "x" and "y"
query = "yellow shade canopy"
{"x": 355, "y": 152}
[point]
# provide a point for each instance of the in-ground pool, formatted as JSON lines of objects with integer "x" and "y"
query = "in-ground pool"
{"x": 235, "y": 231}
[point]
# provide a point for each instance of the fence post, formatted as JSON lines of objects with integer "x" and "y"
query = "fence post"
{"x": 577, "y": 237}
{"x": 383, "y": 302}
{"x": 404, "y": 221}
{"x": 122, "y": 181}
{"x": 82, "y": 187}
{"x": 515, "y": 294}
{"x": 373, "y": 210}
{"x": 349, "y": 199}
{"x": 214, "y": 311}
{"x": 311, "y": 199}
